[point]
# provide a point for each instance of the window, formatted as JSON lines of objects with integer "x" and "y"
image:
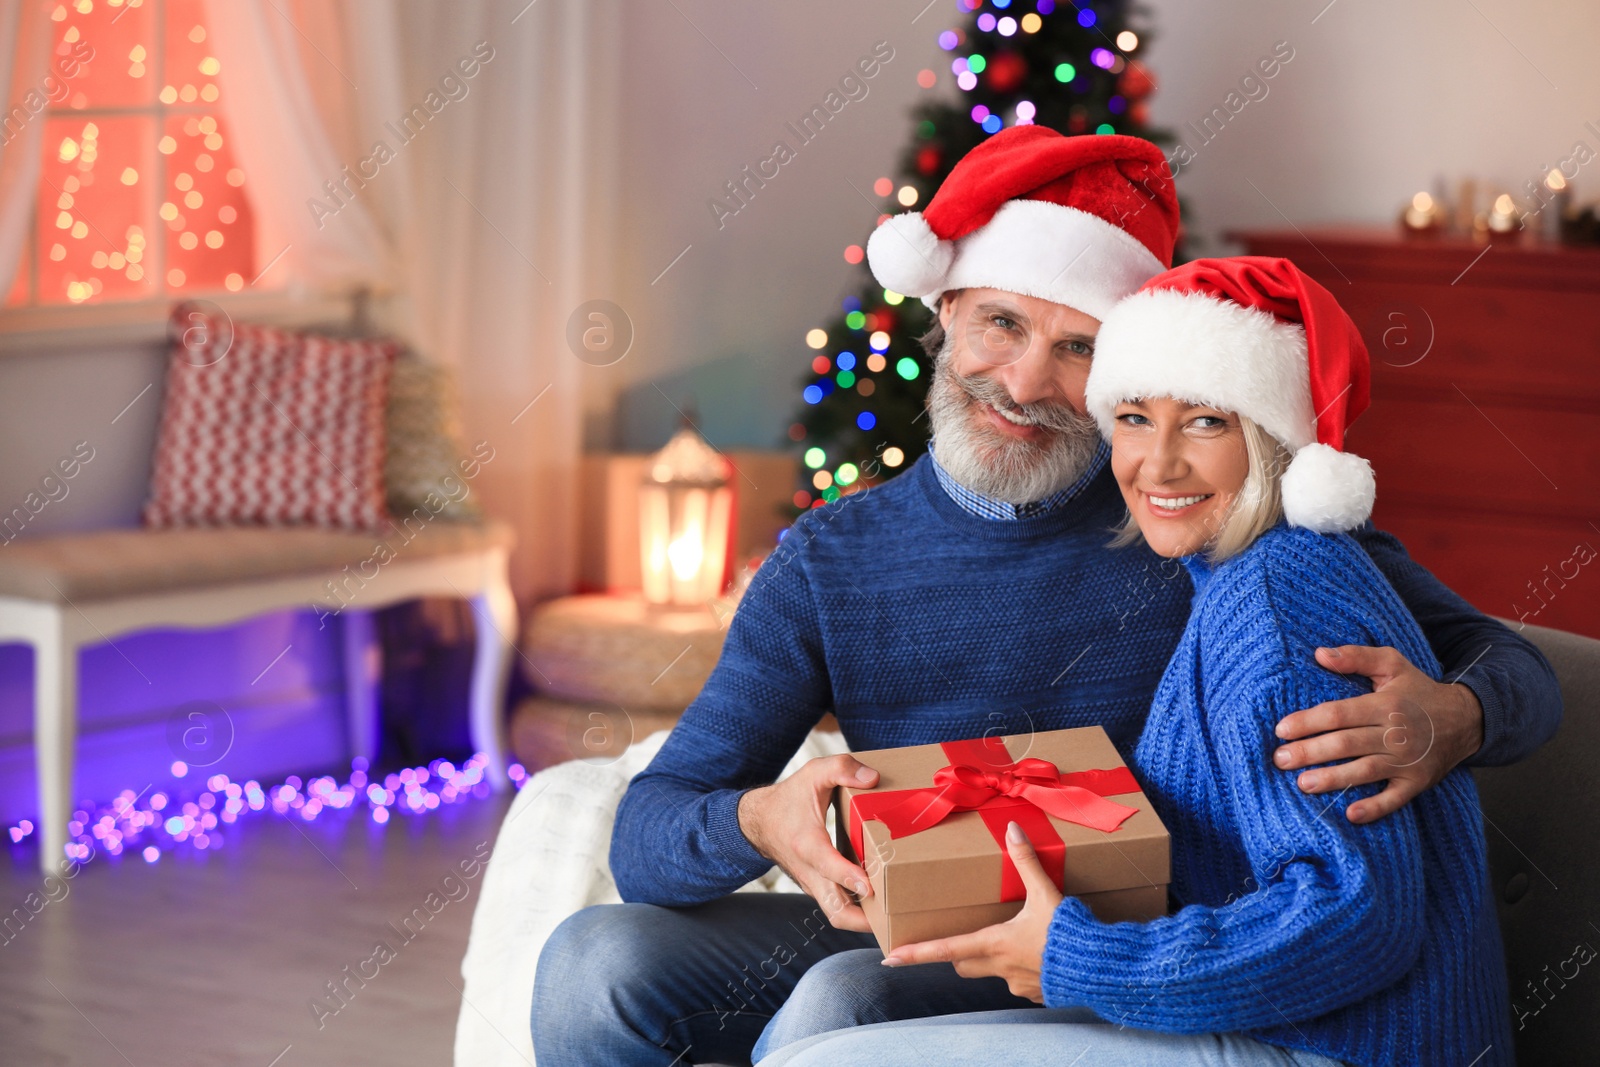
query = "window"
{"x": 139, "y": 195}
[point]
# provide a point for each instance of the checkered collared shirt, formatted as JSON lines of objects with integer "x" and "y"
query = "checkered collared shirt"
{"x": 987, "y": 508}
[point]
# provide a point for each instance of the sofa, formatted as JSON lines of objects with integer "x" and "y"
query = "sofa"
{"x": 1542, "y": 818}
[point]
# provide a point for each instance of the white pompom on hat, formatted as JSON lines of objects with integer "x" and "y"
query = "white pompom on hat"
{"x": 1256, "y": 336}
{"x": 1081, "y": 221}
{"x": 906, "y": 251}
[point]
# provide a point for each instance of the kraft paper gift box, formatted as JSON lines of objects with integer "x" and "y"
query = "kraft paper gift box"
{"x": 931, "y": 834}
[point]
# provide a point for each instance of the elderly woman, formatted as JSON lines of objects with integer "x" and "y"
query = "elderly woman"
{"x": 1225, "y": 387}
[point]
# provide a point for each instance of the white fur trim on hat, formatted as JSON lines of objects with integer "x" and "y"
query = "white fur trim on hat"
{"x": 906, "y": 256}
{"x": 1195, "y": 347}
{"x": 1327, "y": 490}
{"x": 1031, "y": 247}
{"x": 1206, "y": 351}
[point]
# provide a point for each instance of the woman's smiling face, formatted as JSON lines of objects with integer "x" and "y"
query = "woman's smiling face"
{"x": 1180, "y": 466}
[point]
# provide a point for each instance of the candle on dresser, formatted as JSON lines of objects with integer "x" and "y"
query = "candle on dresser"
{"x": 1558, "y": 202}
{"x": 1466, "y": 206}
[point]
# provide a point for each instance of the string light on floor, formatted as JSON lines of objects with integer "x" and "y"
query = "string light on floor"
{"x": 156, "y": 824}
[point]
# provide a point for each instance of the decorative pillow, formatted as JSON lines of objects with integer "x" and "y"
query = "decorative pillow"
{"x": 265, "y": 426}
{"x": 424, "y": 442}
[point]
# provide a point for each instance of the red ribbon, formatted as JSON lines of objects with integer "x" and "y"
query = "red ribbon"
{"x": 982, "y": 777}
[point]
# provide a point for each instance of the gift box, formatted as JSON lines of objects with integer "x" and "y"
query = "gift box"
{"x": 931, "y": 834}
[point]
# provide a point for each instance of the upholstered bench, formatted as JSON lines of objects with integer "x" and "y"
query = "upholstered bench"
{"x": 60, "y": 594}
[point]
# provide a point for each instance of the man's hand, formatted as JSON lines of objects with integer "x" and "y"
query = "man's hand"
{"x": 784, "y": 822}
{"x": 1013, "y": 950}
{"x": 1409, "y": 731}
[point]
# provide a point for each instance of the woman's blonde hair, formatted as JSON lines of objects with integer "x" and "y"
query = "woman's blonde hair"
{"x": 1256, "y": 508}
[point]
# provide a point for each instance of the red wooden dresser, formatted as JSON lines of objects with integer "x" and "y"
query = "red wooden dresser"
{"x": 1484, "y": 429}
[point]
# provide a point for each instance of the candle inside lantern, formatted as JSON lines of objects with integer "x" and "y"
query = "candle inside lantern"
{"x": 686, "y": 553}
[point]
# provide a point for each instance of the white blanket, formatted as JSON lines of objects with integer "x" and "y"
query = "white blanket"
{"x": 550, "y": 860}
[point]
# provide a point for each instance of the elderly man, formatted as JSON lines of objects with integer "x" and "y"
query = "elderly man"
{"x": 974, "y": 593}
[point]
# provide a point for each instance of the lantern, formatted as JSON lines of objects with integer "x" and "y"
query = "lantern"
{"x": 685, "y": 522}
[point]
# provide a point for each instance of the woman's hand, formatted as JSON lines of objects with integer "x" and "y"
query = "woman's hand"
{"x": 1013, "y": 950}
{"x": 1410, "y": 731}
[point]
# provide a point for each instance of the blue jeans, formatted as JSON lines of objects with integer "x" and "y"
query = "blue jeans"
{"x": 1056, "y": 1036}
{"x": 629, "y": 985}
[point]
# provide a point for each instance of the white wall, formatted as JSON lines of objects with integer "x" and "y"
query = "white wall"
{"x": 1380, "y": 99}
{"x": 725, "y": 326}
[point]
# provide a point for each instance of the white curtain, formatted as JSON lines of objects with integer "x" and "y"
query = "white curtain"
{"x": 24, "y": 66}
{"x": 484, "y": 218}
{"x": 276, "y": 69}
{"x": 510, "y": 229}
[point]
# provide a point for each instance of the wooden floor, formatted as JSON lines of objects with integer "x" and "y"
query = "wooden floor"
{"x": 216, "y": 958}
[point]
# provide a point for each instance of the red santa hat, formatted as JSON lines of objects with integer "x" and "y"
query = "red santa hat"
{"x": 1252, "y": 335}
{"x": 1082, "y": 221}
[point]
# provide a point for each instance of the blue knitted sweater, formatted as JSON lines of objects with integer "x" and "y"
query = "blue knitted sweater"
{"x": 916, "y": 622}
{"x": 1371, "y": 944}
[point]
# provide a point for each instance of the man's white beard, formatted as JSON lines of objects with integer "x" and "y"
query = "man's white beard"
{"x": 988, "y": 461}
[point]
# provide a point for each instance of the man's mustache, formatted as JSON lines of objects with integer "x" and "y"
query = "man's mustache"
{"x": 1050, "y": 415}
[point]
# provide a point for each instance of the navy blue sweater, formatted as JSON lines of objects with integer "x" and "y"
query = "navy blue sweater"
{"x": 916, "y": 622}
{"x": 1371, "y": 944}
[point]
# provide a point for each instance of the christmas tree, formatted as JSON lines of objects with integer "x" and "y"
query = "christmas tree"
{"x": 1071, "y": 68}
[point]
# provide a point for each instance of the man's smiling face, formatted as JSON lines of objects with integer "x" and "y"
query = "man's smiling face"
{"x": 1006, "y": 402}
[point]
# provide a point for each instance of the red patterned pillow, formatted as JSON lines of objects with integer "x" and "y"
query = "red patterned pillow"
{"x": 266, "y": 426}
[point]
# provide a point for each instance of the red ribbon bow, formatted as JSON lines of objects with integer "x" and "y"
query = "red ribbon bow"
{"x": 982, "y": 777}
